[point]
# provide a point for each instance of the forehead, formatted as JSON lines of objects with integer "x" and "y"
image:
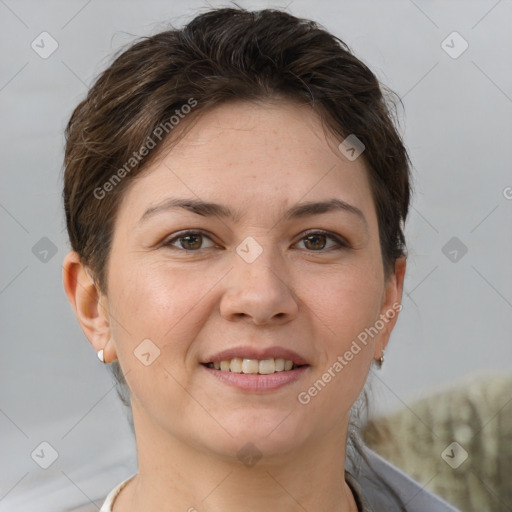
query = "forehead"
{"x": 236, "y": 132}
{"x": 252, "y": 155}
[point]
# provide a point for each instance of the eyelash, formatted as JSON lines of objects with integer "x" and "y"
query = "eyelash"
{"x": 342, "y": 244}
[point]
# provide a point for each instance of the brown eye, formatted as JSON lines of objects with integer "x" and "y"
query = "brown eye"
{"x": 188, "y": 241}
{"x": 191, "y": 242}
{"x": 317, "y": 241}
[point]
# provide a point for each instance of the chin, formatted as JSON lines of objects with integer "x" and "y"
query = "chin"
{"x": 258, "y": 433}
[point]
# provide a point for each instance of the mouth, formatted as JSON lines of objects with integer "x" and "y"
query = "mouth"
{"x": 253, "y": 366}
{"x": 256, "y": 369}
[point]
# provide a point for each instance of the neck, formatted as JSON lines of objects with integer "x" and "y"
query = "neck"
{"x": 188, "y": 478}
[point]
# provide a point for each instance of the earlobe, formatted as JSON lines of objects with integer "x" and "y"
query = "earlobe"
{"x": 88, "y": 303}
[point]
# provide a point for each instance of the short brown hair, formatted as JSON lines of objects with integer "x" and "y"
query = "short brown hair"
{"x": 223, "y": 55}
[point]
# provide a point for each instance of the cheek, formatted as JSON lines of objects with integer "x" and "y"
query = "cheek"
{"x": 345, "y": 300}
{"x": 148, "y": 298}
{"x": 153, "y": 302}
{"x": 145, "y": 300}
{"x": 345, "y": 305}
{"x": 163, "y": 303}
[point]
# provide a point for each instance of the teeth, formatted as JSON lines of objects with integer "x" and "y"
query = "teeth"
{"x": 263, "y": 366}
{"x": 267, "y": 366}
{"x": 235, "y": 366}
{"x": 250, "y": 366}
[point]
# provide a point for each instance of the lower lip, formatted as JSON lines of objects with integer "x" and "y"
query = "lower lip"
{"x": 256, "y": 382}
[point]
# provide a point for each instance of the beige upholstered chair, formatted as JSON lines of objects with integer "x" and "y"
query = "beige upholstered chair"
{"x": 456, "y": 442}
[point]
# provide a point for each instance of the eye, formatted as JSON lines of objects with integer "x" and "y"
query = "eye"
{"x": 188, "y": 240}
{"x": 316, "y": 241}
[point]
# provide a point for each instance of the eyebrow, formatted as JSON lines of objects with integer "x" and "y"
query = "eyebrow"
{"x": 206, "y": 209}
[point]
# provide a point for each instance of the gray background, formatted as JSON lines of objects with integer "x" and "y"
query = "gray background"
{"x": 458, "y": 128}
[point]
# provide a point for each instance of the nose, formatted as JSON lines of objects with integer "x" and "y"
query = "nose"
{"x": 258, "y": 292}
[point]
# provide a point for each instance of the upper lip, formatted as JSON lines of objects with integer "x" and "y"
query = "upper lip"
{"x": 257, "y": 353}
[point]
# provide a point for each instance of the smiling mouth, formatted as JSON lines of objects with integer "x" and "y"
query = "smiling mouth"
{"x": 254, "y": 366}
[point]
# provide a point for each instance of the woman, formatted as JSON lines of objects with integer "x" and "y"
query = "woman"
{"x": 235, "y": 194}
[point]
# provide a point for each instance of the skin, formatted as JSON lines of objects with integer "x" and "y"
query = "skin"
{"x": 310, "y": 296}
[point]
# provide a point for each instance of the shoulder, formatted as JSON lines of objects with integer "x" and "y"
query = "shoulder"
{"x": 379, "y": 481}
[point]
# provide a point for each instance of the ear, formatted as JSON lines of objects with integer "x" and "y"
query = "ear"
{"x": 89, "y": 304}
{"x": 391, "y": 305}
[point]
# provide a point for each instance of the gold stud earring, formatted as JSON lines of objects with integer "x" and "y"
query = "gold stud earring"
{"x": 380, "y": 361}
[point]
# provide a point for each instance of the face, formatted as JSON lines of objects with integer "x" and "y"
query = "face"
{"x": 259, "y": 277}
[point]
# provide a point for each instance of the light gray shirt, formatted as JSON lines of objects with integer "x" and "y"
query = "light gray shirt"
{"x": 373, "y": 496}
